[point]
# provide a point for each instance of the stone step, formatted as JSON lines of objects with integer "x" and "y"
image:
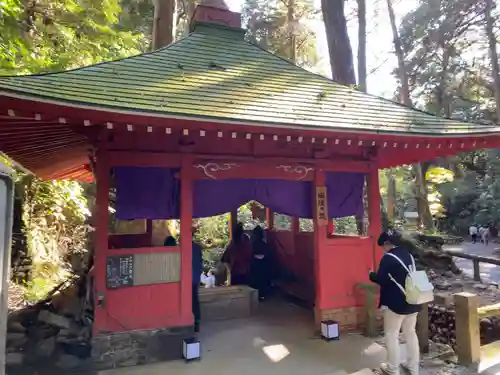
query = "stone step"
{"x": 365, "y": 371}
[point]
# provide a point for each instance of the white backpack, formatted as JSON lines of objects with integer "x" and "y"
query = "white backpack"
{"x": 418, "y": 289}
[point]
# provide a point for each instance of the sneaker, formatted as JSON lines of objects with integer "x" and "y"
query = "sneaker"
{"x": 408, "y": 370}
{"x": 386, "y": 369}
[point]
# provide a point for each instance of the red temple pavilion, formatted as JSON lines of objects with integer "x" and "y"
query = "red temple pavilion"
{"x": 198, "y": 128}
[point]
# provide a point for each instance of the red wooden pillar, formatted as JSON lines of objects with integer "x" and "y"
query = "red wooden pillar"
{"x": 269, "y": 218}
{"x": 233, "y": 220}
{"x": 319, "y": 243}
{"x": 296, "y": 224}
{"x": 101, "y": 238}
{"x": 374, "y": 214}
{"x": 186, "y": 240}
{"x": 331, "y": 227}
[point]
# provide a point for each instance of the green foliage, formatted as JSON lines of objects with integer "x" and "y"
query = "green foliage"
{"x": 37, "y": 289}
{"x": 213, "y": 231}
{"x": 346, "y": 226}
{"x": 48, "y": 36}
{"x": 268, "y": 25}
{"x": 447, "y": 61}
{"x": 55, "y": 214}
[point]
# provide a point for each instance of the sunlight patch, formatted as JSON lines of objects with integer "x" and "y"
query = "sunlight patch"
{"x": 276, "y": 353}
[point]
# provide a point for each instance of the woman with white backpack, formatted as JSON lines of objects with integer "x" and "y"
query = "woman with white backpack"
{"x": 403, "y": 290}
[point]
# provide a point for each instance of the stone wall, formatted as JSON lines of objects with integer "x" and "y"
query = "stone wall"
{"x": 138, "y": 347}
{"x": 350, "y": 319}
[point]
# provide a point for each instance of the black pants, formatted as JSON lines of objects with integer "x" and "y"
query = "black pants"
{"x": 474, "y": 238}
{"x": 196, "y": 306}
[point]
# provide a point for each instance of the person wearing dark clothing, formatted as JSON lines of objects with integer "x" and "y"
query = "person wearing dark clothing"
{"x": 398, "y": 314}
{"x": 197, "y": 266}
{"x": 170, "y": 241}
{"x": 238, "y": 256}
{"x": 261, "y": 264}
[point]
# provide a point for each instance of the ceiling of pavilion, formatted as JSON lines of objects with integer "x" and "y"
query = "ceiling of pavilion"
{"x": 214, "y": 74}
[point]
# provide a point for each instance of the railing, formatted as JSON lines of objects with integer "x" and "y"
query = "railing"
{"x": 468, "y": 315}
{"x": 476, "y": 259}
{"x": 370, "y": 308}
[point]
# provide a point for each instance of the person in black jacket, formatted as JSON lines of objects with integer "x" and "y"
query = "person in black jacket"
{"x": 398, "y": 314}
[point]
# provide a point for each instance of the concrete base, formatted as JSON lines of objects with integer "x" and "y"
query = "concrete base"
{"x": 227, "y": 303}
{"x": 138, "y": 347}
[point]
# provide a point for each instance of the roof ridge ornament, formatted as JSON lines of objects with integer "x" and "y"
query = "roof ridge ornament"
{"x": 220, "y": 4}
{"x": 217, "y": 12}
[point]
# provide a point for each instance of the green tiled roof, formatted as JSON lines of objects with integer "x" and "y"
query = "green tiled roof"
{"x": 214, "y": 74}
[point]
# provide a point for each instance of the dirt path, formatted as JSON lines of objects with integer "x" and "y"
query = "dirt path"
{"x": 489, "y": 273}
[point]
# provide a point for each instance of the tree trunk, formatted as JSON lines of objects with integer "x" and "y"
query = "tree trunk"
{"x": 404, "y": 93}
{"x": 190, "y": 8}
{"x": 164, "y": 23}
{"x": 339, "y": 46}
{"x": 291, "y": 30}
{"x": 492, "y": 42}
{"x": 362, "y": 45}
{"x": 424, "y": 214}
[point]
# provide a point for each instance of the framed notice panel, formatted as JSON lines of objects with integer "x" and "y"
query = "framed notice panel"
{"x": 119, "y": 271}
{"x": 143, "y": 269}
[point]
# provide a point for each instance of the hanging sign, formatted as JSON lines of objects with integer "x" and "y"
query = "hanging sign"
{"x": 321, "y": 205}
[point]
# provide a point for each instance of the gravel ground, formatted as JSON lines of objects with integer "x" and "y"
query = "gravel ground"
{"x": 441, "y": 360}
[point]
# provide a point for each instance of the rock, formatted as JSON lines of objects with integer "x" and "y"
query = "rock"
{"x": 13, "y": 359}
{"x": 16, "y": 339}
{"x": 40, "y": 332}
{"x": 78, "y": 349}
{"x": 69, "y": 362}
{"x": 54, "y": 319}
{"x": 457, "y": 284}
{"x": 452, "y": 359}
{"x": 480, "y": 286}
{"x": 442, "y": 285}
{"x": 15, "y": 326}
{"x": 25, "y": 317}
{"x": 436, "y": 362}
{"x": 46, "y": 347}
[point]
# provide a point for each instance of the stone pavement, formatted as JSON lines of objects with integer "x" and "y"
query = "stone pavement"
{"x": 278, "y": 341}
{"x": 490, "y": 273}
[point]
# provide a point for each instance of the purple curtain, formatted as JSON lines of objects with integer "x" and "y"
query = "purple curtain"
{"x": 214, "y": 197}
{"x": 146, "y": 193}
{"x": 345, "y": 193}
{"x": 153, "y": 193}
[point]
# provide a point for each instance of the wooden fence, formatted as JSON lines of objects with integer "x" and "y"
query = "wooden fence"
{"x": 476, "y": 260}
{"x": 468, "y": 315}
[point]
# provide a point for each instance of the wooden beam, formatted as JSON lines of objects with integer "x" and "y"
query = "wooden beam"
{"x": 269, "y": 218}
{"x": 186, "y": 240}
{"x": 159, "y": 159}
{"x": 319, "y": 247}
{"x": 144, "y": 159}
{"x": 374, "y": 214}
{"x": 101, "y": 240}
